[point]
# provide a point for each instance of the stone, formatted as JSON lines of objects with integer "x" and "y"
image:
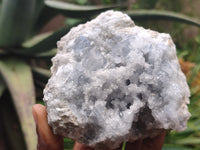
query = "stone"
{"x": 113, "y": 81}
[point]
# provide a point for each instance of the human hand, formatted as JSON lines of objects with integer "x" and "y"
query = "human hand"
{"x": 48, "y": 141}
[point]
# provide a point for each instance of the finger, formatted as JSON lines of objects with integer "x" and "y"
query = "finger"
{"x": 155, "y": 143}
{"x": 79, "y": 146}
{"x": 134, "y": 146}
{"x": 46, "y": 139}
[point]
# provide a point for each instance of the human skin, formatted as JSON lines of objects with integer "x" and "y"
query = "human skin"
{"x": 49, "y": 141}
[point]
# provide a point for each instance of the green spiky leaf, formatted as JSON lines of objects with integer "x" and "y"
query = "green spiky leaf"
{"x": 46, "y": 44}
{"x": 189, "y": 141}
{"x": 15, "y": 21}
{"x": 36, "y": 39}
{"x": 175, "y": 147}
{"x": 124, "y": 146}
{"x": 17, "y": 75}
{"x": 53, "y": 8}
{"x": 143, "y": 15}
{"x": 77, "y": 11}
{"x": 68, "y": 144}
{"x": 46, "y": 55}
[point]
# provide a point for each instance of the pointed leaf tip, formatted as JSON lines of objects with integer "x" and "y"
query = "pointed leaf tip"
{"x": 162, "y": 15}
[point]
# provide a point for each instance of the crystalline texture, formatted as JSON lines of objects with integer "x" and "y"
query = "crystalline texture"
{"x": 113, "y": 81}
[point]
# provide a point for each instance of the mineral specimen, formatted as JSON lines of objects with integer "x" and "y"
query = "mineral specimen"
{"x": 113, "y": 81}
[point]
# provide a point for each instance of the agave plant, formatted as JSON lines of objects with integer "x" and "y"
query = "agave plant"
{"x": 20, "y": 45}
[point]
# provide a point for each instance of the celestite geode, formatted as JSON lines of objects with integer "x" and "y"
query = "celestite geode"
{"x": 113, "y": 81}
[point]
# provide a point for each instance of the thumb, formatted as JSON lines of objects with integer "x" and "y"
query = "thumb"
{"x": 46, "y": 139}
{"x": 155, "y": 143}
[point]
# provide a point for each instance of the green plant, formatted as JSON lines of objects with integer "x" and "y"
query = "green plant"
{"x": 21, "y": 50}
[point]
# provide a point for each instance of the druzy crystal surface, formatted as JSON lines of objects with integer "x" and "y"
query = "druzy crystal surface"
{"x": 113, "y": 81}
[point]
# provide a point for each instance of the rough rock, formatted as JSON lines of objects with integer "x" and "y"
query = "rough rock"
{"x": 113, "y": 81}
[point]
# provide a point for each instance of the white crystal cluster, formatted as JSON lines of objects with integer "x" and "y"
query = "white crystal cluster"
{"x": 113, "y": 81}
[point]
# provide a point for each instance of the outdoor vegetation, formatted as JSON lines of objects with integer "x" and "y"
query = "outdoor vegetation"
{"x": 29, "y": 30}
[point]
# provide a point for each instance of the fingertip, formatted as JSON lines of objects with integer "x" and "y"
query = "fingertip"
{"x": 46, "y": 139}
{"x": 38, "y": 111}
{"x": 38, "y": 108}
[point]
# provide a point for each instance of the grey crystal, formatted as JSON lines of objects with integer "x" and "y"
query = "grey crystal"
{"x": 113, "y": 81}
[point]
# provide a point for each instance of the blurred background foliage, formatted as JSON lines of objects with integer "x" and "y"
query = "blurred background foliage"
{"x": 29, "y": 30}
